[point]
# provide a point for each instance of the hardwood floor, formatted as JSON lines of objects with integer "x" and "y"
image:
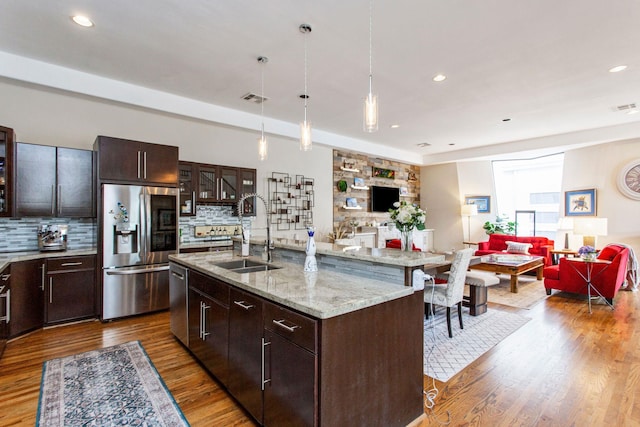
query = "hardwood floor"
{"x": 563, "y": 368}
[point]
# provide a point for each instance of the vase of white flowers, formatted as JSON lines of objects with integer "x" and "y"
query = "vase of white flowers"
{"x": 407, "y": 216}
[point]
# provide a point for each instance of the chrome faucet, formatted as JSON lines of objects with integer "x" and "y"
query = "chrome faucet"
{"x": 268, "y": 245}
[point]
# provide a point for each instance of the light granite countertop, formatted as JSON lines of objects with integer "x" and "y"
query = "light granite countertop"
{"x": 379, "y": 255}
{"x": 322, "y": 295}
{"x": 8, "y": 257}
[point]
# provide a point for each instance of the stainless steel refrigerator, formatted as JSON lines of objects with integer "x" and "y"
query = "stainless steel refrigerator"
{"x": 139, "y": 230}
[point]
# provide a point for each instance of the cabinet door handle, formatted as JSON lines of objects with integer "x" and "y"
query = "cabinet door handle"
{"x": 145, "y": 164}
{"x": 70, "y": 264}
{"x": 53, "y": 199}
{"x": 177, "y": 275}
{"x": 244, "y": 305}
{"x": 42, "y": 280}
{"x": 205, "y": 307}
{"x": 139, "y": 160}
{"x": 193, "y": 202}
{"x": 263, "y": 380}
{"x": 283, "y": 326}
{"x": 50, "y": 290}
{"x": 7, "y": 311}
{"x": 59, "y": 201}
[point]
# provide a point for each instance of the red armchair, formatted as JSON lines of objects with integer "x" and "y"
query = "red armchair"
{"x": 540, "y": 246}
{"x": 606, "y": 278}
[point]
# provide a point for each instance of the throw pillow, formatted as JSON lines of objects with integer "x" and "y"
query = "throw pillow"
{"x": 518, "y": 248}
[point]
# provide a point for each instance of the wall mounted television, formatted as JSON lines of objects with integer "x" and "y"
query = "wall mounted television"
{"x": 383, "y": 198}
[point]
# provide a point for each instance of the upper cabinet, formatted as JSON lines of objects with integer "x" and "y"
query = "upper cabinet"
{"x": 6, "y": 168}
{"x": 214, "y": 184}
{"x": 127, "y": 161}
{"x": 54, "y": 181}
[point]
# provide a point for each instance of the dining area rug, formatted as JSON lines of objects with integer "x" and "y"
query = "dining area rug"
{"x": 110, "y": 386}
{"x": 444, "y": 357}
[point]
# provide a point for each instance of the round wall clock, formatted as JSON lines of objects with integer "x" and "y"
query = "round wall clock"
{"x": 629, "y": 180}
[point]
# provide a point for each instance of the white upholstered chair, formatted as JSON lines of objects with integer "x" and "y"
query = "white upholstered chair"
{"x": 449, "y": 293}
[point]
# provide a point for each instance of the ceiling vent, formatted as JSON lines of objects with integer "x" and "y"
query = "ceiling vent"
{"x": 255, "y": 98}
{"x": 626, "y": 108}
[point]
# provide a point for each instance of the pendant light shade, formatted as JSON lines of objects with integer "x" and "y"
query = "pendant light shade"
{"x": 305, "y": 125}
{"x": 370, "y": 123}
{"x": 262, "y": 141}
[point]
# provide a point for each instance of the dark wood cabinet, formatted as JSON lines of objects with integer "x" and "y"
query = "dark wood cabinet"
{"x": 127, "y": 161}
{"x": 187, "y": 181}
{"x": 208, "y": 322}
{"x": 70, "y": 289}
{"x": 27, "y": 296}
{"x": 246, "y": 346}
{"x": 54, "y": 181}
{"x": 7, "y": 139}
{"x": 5, "y": 310}
{"x": 214, "y": 184}
{"x": 290, "y": 396}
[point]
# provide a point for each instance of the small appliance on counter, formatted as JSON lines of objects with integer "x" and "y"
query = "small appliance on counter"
{"x": 52, "y": 237}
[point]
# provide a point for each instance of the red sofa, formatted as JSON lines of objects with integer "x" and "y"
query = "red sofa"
{"x": 540, "y": 246}
{"x": 607, "y": 278}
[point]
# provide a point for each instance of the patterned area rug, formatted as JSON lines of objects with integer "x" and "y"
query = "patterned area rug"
{"x": 444, "y": 357}
{"x": 530, "y": 292}
{"x": 111, "y": 386}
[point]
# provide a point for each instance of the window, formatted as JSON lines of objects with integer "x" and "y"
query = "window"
{"x": 530, "y": 185}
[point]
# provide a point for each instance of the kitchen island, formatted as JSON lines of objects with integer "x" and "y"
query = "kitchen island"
{"x": 319, "y": 349}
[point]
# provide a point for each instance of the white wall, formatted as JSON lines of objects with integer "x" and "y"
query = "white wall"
{"x": 476, "y": 179}
{"x": 51, "y": 117}
{"x": 597, "y": 167}
{"x": 439, "y": 195}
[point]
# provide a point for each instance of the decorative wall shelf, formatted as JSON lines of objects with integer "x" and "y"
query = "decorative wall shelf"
{"x": 291, "y": 201}
{"x": 349, "y": 169}
{"x": 357, "y": 187}
{"x": 351, "y": 207}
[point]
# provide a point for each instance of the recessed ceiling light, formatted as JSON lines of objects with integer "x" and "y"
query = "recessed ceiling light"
{"x": 82, "y": 20}
{"x": 423, "y": 144}
{"x": 439, "y": 77}
{"x": 394, "y": 126}
{"x": 617, "y": 69}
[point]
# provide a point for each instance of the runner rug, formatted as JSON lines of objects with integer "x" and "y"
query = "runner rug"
{"x": 111, "y": 386}
{"x": 444, "y": 357}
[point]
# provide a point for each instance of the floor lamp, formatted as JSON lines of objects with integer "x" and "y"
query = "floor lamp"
{"x": 469, "y": 211}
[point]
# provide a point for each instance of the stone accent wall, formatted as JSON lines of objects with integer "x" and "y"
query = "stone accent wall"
{"x": 406, "y": 175}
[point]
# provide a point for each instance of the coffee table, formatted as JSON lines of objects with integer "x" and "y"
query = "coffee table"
{"x": 514, "y": 265}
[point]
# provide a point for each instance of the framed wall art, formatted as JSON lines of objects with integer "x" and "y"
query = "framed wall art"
{"x": 383, "y": 173}
{"x": 482, "y": 202}
{"x": 580, "y": 202}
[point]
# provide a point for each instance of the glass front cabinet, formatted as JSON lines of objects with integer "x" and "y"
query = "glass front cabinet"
{"x": 7, "y": 139}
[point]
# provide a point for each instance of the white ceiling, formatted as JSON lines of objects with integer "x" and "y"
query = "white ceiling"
{"x": 541, "y": 63}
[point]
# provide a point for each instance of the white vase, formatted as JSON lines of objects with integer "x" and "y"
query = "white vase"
{"x": 310, "y": 263}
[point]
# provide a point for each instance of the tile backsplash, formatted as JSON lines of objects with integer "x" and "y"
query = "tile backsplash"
{"x": 207, "y": 215}
{"x": 19, "y": 234}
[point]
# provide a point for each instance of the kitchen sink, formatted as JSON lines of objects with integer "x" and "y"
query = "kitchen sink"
{"x": 246, "y": 266}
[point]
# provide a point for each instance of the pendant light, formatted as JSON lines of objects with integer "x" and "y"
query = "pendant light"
{"x": 371, "y": 101}
{"x": 305, "y": 126}
{"x": 262, "y": 141}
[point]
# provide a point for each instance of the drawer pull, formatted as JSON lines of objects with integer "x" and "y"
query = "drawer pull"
{"x": 283, "y": 326}
{"x": 244, "y": 305}
{"x": 5, "y": 277}
{"x": 69, "y": 264}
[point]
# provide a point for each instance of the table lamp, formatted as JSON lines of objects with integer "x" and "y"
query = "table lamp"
{"x": 590, "y": 228}
{"x": 469, "y": 211}
{"x": 565, "y": 224}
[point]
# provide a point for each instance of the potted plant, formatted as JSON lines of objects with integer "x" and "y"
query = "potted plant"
{"x": 502, "y": 225}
